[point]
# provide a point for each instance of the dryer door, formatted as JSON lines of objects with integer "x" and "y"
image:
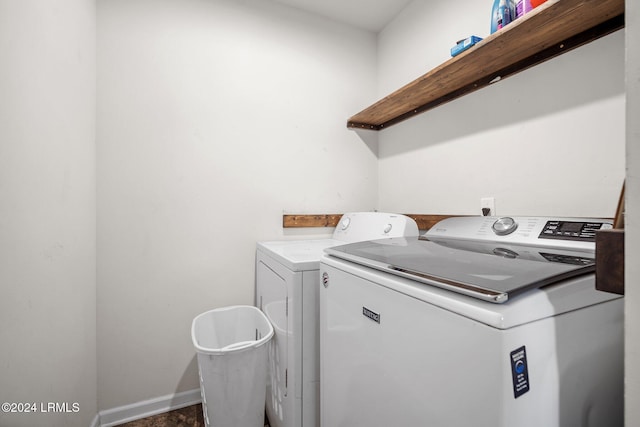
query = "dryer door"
{"x": 272, "y": 299}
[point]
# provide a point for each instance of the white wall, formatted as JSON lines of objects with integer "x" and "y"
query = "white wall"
{"x": 47, "y": 210}
{"x": 214, "y": 118}
{"x": 197, "y": 162}
{"x": 632, "y": 218}
{"x": 547, "y": 141}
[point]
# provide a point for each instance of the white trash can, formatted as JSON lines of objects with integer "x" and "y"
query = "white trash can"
{"x": 232, "y": 347}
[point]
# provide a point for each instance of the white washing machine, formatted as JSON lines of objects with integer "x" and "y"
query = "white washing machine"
{"x": 484, "y": 322}
{"x": 287, "y": 285}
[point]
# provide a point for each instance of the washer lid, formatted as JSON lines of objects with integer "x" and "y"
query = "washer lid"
{"x": 487, "y": 270}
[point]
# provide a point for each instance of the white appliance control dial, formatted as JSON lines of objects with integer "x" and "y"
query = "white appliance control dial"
{"x": 504, "y": 226}
{"x": 387, "y": 228}
{"x": 344, "y": 224}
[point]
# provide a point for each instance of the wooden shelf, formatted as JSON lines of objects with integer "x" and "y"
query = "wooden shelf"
{"x": 551, "y": 29}
{"x": 424, "y": 222}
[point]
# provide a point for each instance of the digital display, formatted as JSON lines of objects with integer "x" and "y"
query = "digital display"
{"x": 572, "y": 227}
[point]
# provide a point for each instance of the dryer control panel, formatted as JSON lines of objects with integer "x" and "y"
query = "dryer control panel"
{"x": 359, "y": 226}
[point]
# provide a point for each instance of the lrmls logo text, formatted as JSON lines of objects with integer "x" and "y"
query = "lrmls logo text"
{"x": 59, "y": 407}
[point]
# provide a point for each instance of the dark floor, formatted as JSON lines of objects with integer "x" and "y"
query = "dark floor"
{"x": 191, "y": 416}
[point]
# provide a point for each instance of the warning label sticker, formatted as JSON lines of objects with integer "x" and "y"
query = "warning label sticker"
{"x": 519, "y": 371}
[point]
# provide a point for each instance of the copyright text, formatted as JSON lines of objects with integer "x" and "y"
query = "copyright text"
{"x": 40, "y": 407}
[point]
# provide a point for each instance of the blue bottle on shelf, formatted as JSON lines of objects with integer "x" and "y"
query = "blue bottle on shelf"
{"x": 502, "y": 14}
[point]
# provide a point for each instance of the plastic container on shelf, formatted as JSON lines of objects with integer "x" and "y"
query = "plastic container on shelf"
{"x": 523, "y": 7}
{"x": 536, "y": 3}
{"x": 502, "y": 13}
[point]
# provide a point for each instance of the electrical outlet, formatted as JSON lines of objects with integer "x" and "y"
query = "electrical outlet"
{"x": 488, "y": 206}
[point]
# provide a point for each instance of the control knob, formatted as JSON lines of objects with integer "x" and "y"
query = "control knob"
{"x": 345, "y": 223}
{"x": 505, "y": 225}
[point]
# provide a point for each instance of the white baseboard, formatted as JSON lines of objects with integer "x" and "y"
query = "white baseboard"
{"x": 147, "y": 408}
{"x": 96, "y": 421}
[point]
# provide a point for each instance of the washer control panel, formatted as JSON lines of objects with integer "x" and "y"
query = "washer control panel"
{"x": 567, "y": 233}
{"x": 570, "y": 230}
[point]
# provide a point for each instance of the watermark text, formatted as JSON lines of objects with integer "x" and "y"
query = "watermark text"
{"x": 40, "y": 407}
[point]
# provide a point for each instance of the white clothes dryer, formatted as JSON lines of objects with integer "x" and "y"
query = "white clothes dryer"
{"x": 487, "y": 322}
{"x": 287, "y": 286}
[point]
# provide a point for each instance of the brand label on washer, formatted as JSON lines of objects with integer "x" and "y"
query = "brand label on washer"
{"x": 371, "y": 314}
{"x": 519, "y": 372}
